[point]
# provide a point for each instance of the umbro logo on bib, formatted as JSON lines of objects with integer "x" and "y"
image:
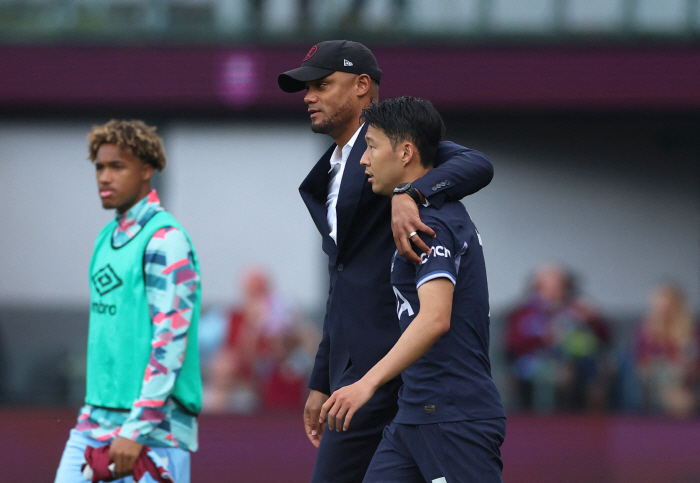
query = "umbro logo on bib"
{"x": 106, "y": 280}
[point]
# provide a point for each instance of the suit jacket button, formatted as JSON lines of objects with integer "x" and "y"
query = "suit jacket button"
{"x": 340, "y": 267}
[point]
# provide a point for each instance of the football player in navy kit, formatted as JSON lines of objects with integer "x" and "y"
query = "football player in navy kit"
{"x": 451, "y": 423}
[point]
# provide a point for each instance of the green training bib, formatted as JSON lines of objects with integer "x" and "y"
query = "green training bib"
{"x": 119, "y": 337}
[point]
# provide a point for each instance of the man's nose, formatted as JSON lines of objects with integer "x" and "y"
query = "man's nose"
{"x": 364, "y": 160}
{"x": 310, "y": 97}
{"x": 103, "y": 176}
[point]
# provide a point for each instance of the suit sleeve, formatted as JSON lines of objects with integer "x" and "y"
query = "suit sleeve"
{"x": 320, "y": 375}
{"x": 458, "y": 172}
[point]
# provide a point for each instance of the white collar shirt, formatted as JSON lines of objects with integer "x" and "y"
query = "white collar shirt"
{"x": 338, "y": 158}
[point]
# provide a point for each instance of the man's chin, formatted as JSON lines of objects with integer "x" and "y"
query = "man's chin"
{"x": 377, "y": 190}
{"x": 320, "y": 127}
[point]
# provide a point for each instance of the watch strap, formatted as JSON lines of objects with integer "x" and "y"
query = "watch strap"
{"x": 410, "y": 191}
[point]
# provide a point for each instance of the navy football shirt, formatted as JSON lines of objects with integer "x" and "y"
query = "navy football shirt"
{"x": 452, "y": 381}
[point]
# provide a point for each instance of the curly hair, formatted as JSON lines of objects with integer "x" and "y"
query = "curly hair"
{"x": 136, "y": 136}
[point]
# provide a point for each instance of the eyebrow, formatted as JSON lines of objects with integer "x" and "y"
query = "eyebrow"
{"x": 322, "y": 79}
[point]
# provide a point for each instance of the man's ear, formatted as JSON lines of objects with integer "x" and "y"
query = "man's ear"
{"x": 363, "y": 84}
{"x": 408, "y": 152}
{"x": 147, "y": 171}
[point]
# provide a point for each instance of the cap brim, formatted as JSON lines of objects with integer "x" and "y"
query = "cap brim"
{"x": 295, "y": 80}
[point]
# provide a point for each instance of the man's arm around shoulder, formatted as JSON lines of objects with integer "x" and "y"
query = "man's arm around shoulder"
{"x": 458, "y": 172}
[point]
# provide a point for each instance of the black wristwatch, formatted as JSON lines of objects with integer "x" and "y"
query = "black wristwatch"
{"x": 409, "y": 190}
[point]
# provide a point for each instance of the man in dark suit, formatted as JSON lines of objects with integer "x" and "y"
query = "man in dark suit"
{"x": 341, "y": 79}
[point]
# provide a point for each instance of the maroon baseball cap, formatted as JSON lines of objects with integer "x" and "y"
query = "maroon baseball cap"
{"x": 327, "y": 57}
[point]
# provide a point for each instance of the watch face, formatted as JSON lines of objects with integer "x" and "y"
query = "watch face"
{"x": 402, "y": 187}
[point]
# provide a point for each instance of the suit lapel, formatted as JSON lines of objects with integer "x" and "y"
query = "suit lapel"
{"x": 353, "y": 182}
{"x": 314, "y": 191}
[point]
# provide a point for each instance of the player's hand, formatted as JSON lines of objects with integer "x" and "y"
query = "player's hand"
{"x": 404, "y": 221}
{"x": 312, "y": 410}
{"x": 124, "y": 452}
{"x": 344, "y": 403}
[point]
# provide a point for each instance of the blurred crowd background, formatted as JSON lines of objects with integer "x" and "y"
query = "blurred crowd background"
{"x": 588, "y": 109}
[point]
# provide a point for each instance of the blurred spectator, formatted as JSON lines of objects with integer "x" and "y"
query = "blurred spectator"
{"x": 666, "y": 353}
{"x": 556, "y": 345}
{"x": 266, "y": 357}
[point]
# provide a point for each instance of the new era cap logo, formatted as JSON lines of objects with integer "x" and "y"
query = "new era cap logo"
{"x": 106, "y": 280}
{"x": 347, "y": 63}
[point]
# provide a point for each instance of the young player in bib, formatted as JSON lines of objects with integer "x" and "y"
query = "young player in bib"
{"x": 143, "y": 378}
{"x": 450, "y": 423}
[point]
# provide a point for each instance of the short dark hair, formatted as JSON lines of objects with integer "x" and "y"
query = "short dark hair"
{"x": 135, "y": 135}
{"x": 408, "y": 119}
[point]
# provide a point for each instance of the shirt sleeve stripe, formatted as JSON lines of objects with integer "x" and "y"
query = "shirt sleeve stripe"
{"x": 434, "y": 275}
{"x": 176, "y": 265}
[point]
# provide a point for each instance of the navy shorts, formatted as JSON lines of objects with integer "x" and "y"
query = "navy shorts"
{"x": 460, "y": 451}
